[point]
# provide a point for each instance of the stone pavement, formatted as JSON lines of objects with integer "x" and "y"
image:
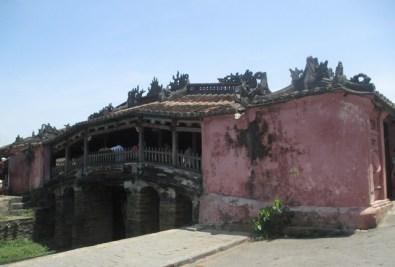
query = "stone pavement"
{"x": 167, "y": 248}
{"x": 375, "y": 247}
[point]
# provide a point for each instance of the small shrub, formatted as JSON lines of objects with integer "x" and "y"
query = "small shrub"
{"x": 270, "y": 221}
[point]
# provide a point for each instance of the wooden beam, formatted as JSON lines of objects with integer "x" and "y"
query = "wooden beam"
{"x": 186, "y": 129}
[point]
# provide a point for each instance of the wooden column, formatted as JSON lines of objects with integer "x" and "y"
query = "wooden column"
{"x": 67, "y": 157}
{"x": 140, "y": 130}
{"x": 174, "y": 143}
{"x": 86, "y": 152}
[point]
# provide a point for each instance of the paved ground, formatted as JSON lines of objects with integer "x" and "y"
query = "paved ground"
{"x": 365, "y": 248}
{"x": 176, "y": 247}
{"x": 168, "y": 248}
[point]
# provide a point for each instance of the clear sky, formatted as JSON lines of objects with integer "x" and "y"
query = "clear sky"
{"x": 63, "y": 60}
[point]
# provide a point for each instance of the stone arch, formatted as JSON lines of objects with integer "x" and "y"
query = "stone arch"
{"x": 149, "y": 209}
{"x": 184, "y": 210}
{"x": 67, "y": 217}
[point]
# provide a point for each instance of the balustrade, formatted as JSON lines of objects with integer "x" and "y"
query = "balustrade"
{"x": 184, "y": 160}
{"x": 212, "y": 88}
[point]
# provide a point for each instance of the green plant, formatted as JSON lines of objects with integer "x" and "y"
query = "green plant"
{"x": 20, "y": 249}
{"x": 270, "y": 221}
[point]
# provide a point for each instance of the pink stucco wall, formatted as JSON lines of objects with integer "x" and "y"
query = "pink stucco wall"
{"x": 28, "y": 171}
{"x": 316, "y": 151}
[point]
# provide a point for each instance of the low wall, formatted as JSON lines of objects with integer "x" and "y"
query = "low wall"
{"x": 16, "y": 228}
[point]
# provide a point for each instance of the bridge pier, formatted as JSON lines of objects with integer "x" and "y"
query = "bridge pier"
{"x": 167, "y": 211}
{"x": 133, "y": 225}
{"x": 92, "y": 210}
{"x": 93, "y": 222}
{"x": 64, "y": 217}
{"x": 151, "y": 208}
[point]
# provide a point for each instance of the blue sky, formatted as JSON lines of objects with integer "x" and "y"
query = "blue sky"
{"x": 63, "y": 60}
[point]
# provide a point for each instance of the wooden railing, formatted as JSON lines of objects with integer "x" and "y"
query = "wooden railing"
{"x": 59, "y": 168}
{"x": 155, "y": 155}
{"x": 158, "y": 155}
{"x": 111, "y": 157}
{"x": 188, "y": 161}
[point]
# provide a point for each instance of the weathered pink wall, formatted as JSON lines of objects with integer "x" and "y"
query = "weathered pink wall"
{"x": 313, "y": 151}
{"x": 28, "y": 172}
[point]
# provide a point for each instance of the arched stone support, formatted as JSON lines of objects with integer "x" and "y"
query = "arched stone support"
{"x": 167, "y": 217}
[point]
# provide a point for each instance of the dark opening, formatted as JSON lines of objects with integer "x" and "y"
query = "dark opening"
{"x": 118, "y": 196}
{"x": 157, "y": 138}
{"x": 190, "y": 141}
{"x": 149, "y": 210}
{"x": 68, "y": 218}
{"x": 183, "y": 210}
{"x": 76, "y": 150}
{"x": 126, "y": 138}
{"x": 388, "y": 161}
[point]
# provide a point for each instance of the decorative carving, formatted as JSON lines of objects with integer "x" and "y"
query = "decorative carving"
{"x": 247, "y": 77}
{"x": 315, "y": 73}
{"x": 134, "y": 96}
{"x": 252, "y": 86}
{"x": 180, "y": 81}
{"x": 231, "y": 79}
{"x": 155, "y": 89}
{"x": 262, "y": 86}
{"x": 47, "y": 131}
{"x": 165, "y": 93}
{"x": 361, "y": 82}
{"x": 176, "y": 87}
{"x": 18, "y": 139}
{"x": 296, "y": 75}
{"x": 104, "y": 111}
{"x": 339, "y": 73}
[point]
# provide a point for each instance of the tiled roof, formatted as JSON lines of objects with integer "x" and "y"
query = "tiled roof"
{"x": 289, "y": 93}
{"x": 187, "y": 106}
{"x": 196, "y": 106}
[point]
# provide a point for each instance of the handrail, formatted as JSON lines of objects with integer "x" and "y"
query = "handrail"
{"x": 184, "y": 160}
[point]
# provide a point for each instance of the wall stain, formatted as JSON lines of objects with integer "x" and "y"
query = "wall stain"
{"x": 250, "y": 184}
{"x": 256, "y": 139}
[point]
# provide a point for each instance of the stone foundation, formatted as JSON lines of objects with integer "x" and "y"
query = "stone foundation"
{"x": 16, "y": 228}
{"x": 151, "y": 208}
{"x": 372, "y": 216}
{"x": 235, "y": 213}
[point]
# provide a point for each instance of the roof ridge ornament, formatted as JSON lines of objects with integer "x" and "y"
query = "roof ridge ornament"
{"x": 135, "y": 96}
{"x": 316, "y": 72}
{"x": 177, "y": 87}
{"x": 252, "y": 89}
{"x": 101, "y": 113}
